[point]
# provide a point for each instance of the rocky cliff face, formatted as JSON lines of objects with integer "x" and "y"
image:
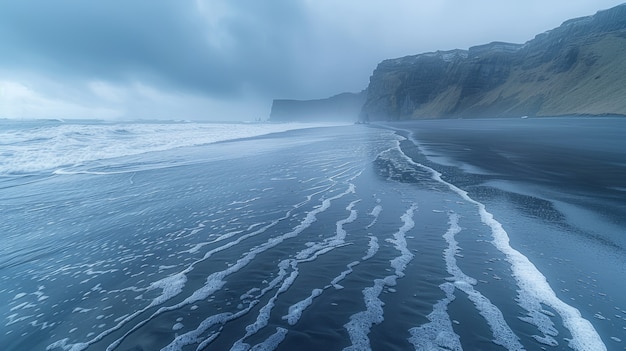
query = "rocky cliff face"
{"x": 342, "y": 107}
{"x": 577, "y": 68}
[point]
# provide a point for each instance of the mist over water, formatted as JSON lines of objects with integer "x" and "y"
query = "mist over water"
{"x": 345, "y": 237}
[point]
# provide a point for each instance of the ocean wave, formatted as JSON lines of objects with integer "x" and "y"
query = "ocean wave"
{"x": 44, "y": 147}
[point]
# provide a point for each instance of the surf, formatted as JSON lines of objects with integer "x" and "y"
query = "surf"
{"x": 534, "y": 289}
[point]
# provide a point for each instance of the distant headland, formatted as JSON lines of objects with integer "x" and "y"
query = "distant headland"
{"x": 341, "y": 107}
{"x": 577, "y": 68}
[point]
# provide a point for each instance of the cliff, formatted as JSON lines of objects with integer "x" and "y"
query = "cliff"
{"x": 342, "y": 107}
{"x": 575, "y": 69}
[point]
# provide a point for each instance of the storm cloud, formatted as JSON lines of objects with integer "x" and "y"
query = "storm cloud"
{"x": 181, "y": 43}
{"x": 227, "y": 59}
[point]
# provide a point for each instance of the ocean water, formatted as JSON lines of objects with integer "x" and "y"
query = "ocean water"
{"x": 441, "y": 235}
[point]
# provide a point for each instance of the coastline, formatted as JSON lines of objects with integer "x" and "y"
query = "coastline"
{"x": 307, "y": 238}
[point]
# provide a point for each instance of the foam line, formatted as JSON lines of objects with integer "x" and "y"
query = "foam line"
{"x": 453, "y": 249}
{"x": 361, "y": 323}
{"x": 329, "y": 244}
{"x": 439, "y": 333}
{"x": 343, "y": 275}
{"x": 532, "y": 283}
{"x": 306, "y": 255}
{"x": 375, "y": 213}
{"x": 215, "y": 281}
{"x": 265, "y": 311}
{"x": 172, "y": 285}
{"x": 194, "y": 336}
{"x": 272, "y": 342}
{"x": 502, "y": 333}
{"x": 372, "y": 248}
{"x": 340, "y": 233}
{"x": 295, "y": 310}
{"x": 399, "y": 240}
{"x": 341, "y": 173}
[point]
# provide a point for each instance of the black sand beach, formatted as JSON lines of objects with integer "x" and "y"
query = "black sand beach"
{"x": 335, "y": 238}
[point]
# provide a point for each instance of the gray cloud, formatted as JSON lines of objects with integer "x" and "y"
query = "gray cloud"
{"x": 165, "y": 42}
{"x": 229, "y": 50}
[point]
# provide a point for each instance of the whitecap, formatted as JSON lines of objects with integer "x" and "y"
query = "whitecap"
{"x": 58, "y": 146}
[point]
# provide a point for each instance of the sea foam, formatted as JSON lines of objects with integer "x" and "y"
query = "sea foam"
{"x": 531, "y": 282}
{"x": 361, "y": 323}
{"x": 54, "y": 146}
{"x": 438, "y": 334}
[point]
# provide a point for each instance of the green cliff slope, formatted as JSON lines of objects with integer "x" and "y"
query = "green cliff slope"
{"x": 578, "y": 68}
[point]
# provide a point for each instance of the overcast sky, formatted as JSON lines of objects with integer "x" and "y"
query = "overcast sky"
{"x": 227, "y": 59}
